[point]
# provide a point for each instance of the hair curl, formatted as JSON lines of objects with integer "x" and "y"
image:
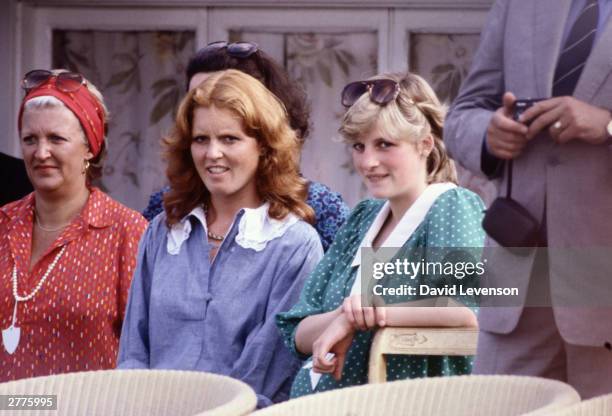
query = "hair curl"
{"x": 261, "y": 66}
{"x": 277, "y": 177}
{"x": 413, "y": 115}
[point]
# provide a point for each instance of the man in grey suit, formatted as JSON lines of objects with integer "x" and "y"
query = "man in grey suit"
{"x": 561, "y": 150}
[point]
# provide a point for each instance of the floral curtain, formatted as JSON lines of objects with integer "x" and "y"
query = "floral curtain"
{"x": 324, "y": 63}
{"x": 141, "y": 75}
{"x": 444, "y": 61}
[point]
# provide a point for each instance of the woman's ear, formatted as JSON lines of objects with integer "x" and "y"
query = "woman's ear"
{"x": 426, "y": 145}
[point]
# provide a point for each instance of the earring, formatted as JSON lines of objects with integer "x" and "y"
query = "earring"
{"x": 85, "y": 167}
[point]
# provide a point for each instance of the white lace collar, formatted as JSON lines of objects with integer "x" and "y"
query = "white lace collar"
{"x": 255, "y": 228}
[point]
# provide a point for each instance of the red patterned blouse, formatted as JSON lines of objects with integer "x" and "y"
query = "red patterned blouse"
{"x": 74, "y": 321}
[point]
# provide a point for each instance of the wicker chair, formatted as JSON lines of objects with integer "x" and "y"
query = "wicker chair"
{"x": 598, "y": 406}
{"x": 457, "y": 396}
{"x": 418, "y": 341}
{"x": 138, "y": 392}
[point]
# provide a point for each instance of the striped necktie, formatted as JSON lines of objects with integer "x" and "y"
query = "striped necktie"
{"x": 576, "y": 50}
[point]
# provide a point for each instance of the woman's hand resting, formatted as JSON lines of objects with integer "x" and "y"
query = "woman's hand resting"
{"x": 337, "y": 339}
{"x": 363, "y": 318}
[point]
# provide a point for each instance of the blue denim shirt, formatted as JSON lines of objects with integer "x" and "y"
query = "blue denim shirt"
{"x": 186, "y": 313}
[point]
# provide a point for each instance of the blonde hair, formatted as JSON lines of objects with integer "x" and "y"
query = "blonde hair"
{"x": 415, "y": 114}
{"x": 96, "y": 164}
{"x": 264, "y": 117}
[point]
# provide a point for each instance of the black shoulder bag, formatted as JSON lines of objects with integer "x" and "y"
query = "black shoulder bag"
{"x": 509, "y": 223}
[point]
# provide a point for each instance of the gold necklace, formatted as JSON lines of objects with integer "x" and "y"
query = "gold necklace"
{"x": 47, "y": 229}
{"x": 214, "y": 236}
{"x": 210, "y": 234}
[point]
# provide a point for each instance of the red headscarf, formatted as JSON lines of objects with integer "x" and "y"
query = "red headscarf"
{"x": 82, "y": 103}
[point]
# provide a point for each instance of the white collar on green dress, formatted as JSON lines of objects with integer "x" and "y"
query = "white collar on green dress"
{"x": 409, "y": 222}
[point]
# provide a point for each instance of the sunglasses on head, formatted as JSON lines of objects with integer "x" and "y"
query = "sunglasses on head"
{"x": 65, "y": 81}
{"x": 234, "y": 49}
{"x": 381, "y": 91}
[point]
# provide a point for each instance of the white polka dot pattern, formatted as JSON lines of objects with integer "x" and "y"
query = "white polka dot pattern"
{"x": 453, "y": 221}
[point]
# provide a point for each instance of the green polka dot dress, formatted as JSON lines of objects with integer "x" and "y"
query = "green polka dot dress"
{"x": 454, "y": 220}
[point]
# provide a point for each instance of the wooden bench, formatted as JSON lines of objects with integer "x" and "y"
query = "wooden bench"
{"x": 417, "y": 341}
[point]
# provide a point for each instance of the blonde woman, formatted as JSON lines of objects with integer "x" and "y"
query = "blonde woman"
{"x": 233, "y": 247}
{"x": 394, "y": 123}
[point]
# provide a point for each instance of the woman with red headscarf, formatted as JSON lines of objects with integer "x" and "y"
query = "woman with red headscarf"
{"x": 67, "y": 250}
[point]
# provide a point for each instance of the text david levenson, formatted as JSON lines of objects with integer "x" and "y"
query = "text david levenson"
{"x": 455, "y": 290}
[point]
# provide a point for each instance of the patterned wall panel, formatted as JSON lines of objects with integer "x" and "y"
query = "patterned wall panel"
{"x": 444, "y": 60}
{"x": 324, "y": 63}
{"x": 141, "y": 75}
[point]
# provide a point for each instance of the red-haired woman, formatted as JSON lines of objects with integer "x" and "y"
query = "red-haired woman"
{"x": 233, "y": 247}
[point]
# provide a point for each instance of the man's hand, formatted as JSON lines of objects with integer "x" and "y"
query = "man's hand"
{"x": 506, "y": 138}
{"x": 567, "y": 118}
{"x": 336, "y": 338}
{"x": 363, "y": 318}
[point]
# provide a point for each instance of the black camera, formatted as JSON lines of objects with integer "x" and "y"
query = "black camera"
{"x": 506, "y": 221}
{"x": 520, "y": 106}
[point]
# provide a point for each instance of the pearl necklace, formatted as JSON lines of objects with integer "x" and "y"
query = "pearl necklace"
{"x": 11, "y": 335}
{"x": 40, "y": 282}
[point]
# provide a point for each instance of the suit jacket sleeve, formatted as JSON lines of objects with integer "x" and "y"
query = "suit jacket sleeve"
{"x": 480, "y": 94}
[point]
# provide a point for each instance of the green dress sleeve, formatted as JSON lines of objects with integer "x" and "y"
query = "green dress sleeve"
{"x": 315, "y": 297}
{"x": 453, "y": 221}
{"x": 454, "y": 236}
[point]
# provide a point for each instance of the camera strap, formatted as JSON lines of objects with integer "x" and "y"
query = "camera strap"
{"x": 509, "y": 181}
